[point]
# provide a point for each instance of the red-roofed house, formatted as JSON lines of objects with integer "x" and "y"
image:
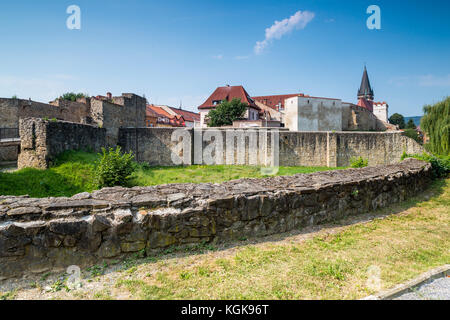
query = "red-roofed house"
{"x": 228, "y": 93}
{"x": 164, "y": 118}
{"x": 277, "y": 101}
{"x": 191, "y": 119}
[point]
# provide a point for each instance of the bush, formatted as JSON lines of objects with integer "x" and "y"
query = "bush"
{"x": 413, "y": 134}
{"x": 359, "y": 162}
{"x": 439, "y": 165}
{"x": 71, "y": 96}
{"x": 114, "y": 168}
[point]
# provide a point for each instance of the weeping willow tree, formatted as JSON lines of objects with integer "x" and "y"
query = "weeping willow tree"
{"x": 436, "y": 124}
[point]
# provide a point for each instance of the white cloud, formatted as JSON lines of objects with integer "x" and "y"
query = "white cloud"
{"x": 428, "y": 80}
{"x": 218, "y": 57}
{"x": 298, "y": 21}
{"x": 434, "y": 81}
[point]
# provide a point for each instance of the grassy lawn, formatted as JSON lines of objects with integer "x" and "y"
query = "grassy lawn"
{"x": 72, "y": 173}
{"x": 327, "y": 262}
{"x": 327, "y": 266}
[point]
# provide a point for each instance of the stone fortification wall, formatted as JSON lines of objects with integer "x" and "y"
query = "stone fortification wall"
{"x": 42, "y": 141}
{"x": 39, "y": 235}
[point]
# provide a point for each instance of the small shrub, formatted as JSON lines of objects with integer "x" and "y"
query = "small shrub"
{"x": 440, "y": 165}
{"x": 114, "y": 168}
{"x": 413, "y": 134}
{"x": 359, "y": 162}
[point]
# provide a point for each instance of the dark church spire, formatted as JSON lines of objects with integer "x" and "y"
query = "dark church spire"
{"x": 365, "y": 91}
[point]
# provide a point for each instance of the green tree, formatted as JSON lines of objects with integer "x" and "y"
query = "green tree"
{"x": 71, "y": 96}
{"x": 413, "y": 134}
{"x": 411, "y": 124}
{"x": 226, "y": 112}
{"x": 397, "y": 119}
{"x": 436, "y": 124}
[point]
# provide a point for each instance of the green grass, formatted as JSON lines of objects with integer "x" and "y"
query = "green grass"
{"x": 328, "y": 266}
{"x": 402, "y": 241}
{"x": 72, "y": 173}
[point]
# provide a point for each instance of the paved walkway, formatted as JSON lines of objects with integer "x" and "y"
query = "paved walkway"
{"x": 438, "y": 289}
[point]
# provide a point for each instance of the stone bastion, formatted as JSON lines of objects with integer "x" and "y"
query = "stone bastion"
{"x": 39, "y": 235}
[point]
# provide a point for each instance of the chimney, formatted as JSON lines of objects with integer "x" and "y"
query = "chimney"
{"x": 109, "y": 95}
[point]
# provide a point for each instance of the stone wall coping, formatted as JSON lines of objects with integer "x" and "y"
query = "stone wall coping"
{"x": 16, "y": 208}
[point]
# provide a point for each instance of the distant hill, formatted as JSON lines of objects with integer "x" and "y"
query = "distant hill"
{"x": 415, "y": 119}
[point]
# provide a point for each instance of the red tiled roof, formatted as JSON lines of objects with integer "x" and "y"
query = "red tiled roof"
{"x": 151, "y": 113}
{"x": 187, "y": 115}
{"x": 366, "y": 104}
{"x": 174, "y": 120}
{"x": 228, "y": 93}
{"x": 273, "y": 101}
{"x": 159, "y": 111}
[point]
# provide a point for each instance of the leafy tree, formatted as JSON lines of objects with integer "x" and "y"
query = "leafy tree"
{"x": 397, "y": 119}
{"x": 71, "y": 96}
{"x": 411, "y": 124}
{"x": 226, "y": 112}
{"x": 436, "y": 124}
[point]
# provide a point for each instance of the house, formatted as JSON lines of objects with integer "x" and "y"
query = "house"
{"x": 228, "y": 93}
{"x": 276, "y": 102}
{"x": 151, "y": 118}
{"x": 274, "y": 105}
{"x": 164, "y": 118}
{"x": 191, "y": 119}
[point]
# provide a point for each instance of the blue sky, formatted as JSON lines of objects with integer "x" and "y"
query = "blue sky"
{"x": 174, "y": 51}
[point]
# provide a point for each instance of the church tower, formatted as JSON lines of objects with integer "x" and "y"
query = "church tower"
{"x": 365, "y": 91}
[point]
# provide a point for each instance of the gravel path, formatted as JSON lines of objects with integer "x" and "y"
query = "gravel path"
{"x": 438, "y": 289}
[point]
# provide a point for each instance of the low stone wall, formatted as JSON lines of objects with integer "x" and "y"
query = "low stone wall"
{"x": 42, "y": 141}
{"x": 38, "y": 235}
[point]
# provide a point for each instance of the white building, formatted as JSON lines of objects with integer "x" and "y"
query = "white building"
{"x": 303, "y": 113}
{"x": 381, "y": 111}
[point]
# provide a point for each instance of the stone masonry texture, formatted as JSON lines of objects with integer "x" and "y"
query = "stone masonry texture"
{"x": 39, "y": 235}
{"x": 42, "y": 140}
{"x": 333, "y": 149}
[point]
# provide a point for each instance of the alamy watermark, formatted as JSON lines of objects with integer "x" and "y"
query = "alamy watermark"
{"x": 374, "y": 278}
{"x": 74, "y": 279}
{"x": 374, "y": 21}
{"x": 73, "y": 22}
{"x": 227, "y": 147}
